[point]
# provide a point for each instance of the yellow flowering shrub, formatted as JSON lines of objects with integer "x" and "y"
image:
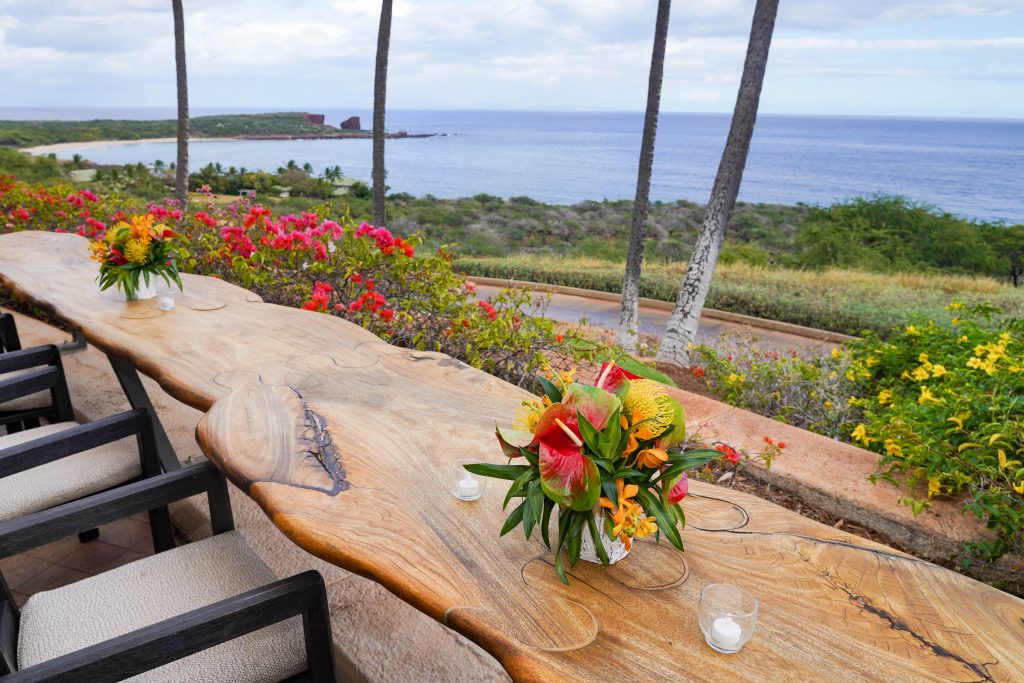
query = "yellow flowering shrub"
{"x": 944, "y": 408}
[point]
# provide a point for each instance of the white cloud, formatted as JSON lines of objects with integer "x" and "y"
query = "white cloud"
{"x": 540, "y": 54}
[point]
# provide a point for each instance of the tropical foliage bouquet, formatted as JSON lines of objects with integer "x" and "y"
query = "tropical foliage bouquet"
{"x": 135, "y": 249}
{"x": 608, "y": 455}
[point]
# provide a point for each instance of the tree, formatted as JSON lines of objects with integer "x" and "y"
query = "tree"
{"x": 181, "y": 170}
{"x": 682, "y": 325}
{"x": 629, "y": 317}
{"x": 380, "y": 84}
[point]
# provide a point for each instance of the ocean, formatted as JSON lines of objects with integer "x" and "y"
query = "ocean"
{"x": 974, "y": 168}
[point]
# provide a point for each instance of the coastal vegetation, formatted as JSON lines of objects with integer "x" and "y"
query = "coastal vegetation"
{"x": 32, "y": 133}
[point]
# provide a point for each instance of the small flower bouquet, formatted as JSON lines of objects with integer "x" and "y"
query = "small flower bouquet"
{"x": 607, "y": 455}
{"x": 136, "y": 251}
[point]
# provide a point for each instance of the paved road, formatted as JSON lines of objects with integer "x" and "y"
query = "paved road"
{"x": 569, "y": 308}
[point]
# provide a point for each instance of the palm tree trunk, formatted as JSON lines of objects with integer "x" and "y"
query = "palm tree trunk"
{"x": 682, "y": 325}
{"x": 181, "y": 169}
{"x": 629, "y": 317}
{"x": 380, "y": 85}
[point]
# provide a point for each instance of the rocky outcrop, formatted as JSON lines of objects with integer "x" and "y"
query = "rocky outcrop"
{"x": 318, "y": 119}
{"x": 351, "y": 123}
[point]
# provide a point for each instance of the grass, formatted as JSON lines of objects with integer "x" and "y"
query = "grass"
{"x": 840, "y": 300}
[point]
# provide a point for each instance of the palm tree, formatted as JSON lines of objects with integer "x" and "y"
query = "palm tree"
{"x": 380, "y": 84}
{"x": 181, "y": 171}
{"x": 630, "y": 314}
{"x": 682, "y": 325}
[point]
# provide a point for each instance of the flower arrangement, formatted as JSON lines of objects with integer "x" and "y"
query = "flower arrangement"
{"x": 135, "y": 250}
{"x": 608, "y": 455}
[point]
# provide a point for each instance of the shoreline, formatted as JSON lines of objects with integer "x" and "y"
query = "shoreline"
{"x": 87, "y": 144}
{"x": 57, "y": 147}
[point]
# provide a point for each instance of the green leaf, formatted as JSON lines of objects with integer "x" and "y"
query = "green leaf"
{"x": 550, "y": 390}
{"x": 590, "y": 434}
{"x": 666, "y": 523}
{"x": 596, "y": 537}
{"x": 517, "y": 487}
{"x": 611, "y": 436}
{"x": 510, "y": 472}
{"x": 529, "y": 517}
{"x": 545, "y": 522}
{"x": 515, "y": 518}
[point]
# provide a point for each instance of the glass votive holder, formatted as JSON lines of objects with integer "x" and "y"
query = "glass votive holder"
{"x": 728, "y": 616}
{"x": 167, "y": 299}
{"x": 463, "y": 484}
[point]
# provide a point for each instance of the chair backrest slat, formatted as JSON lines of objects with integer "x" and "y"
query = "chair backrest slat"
{"x": 8, "y": 630}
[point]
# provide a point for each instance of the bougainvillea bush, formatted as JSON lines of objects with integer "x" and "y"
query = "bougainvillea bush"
{"x": 362, "y": 273}
{"x": 944, "y": 406}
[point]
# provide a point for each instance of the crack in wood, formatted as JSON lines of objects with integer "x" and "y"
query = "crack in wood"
{"x": 895, "y": 623}
{"x": 320, "y": 447}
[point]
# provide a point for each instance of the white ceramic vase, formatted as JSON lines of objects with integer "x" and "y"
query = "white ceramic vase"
{"x": 615, "y": 548}
{"x": 144, "y": 291}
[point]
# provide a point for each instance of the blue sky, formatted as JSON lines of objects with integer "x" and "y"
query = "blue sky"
{"x": 945, "y": 58}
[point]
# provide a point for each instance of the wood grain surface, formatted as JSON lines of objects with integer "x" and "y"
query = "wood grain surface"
{"x": 346, "y": 442}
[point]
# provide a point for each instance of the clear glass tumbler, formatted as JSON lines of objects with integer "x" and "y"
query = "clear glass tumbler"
{"x": 463, "y": 484}
{"x": 728, "y": 616}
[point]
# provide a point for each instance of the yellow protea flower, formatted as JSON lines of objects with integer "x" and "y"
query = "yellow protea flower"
{"x": 648, "y": 400}
{"x": 136, "y": 251}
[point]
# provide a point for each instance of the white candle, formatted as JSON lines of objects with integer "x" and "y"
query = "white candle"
{"x": 468, "y": 488}
{"x": 726, "y": 633}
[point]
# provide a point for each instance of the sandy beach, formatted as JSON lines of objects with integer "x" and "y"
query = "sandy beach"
{"x": 64, "y": 146}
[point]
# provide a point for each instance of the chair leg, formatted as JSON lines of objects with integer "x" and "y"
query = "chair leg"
{"x": 316, "y": 625}
{"x": 90, "y": 535}
{"x": 163, "y": 531}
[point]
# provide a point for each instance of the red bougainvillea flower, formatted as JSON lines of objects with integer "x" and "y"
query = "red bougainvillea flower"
{"x": 782, "y": 444}
{"x": 730, "y": 453}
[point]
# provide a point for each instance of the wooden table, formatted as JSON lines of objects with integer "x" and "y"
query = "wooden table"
{"x": 345, "y": 442}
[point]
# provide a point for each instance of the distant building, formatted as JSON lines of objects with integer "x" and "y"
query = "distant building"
{"x": 84, "y": 175}
{"x": 342, "y": 185}
{"x": 282, "y": 191}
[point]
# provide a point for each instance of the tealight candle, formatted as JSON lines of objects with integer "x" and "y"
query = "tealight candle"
{"x": 728, "y": 616}
{"x": 463, "y": 484}
{"x": 166, "y": 302}
{"x": 468, "y": 488}
{"x": 726, "y": 633}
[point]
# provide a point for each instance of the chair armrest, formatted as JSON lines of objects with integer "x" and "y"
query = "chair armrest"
{"x": 46, "y": 449}
{"x": 9, "y": 340}
{"x": 200, "y": 629}
{"x": 29, "y": 358}
{"x": 46, "y": 526}
{"x": 28, "y": 383}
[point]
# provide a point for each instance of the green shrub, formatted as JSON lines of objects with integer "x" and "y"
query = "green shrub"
{"x": 944, "y": 406}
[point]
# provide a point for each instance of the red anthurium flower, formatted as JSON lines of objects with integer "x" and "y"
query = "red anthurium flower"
{"x": 679, "y": 490}
{"x": 614, "y": 379}
{"x": 567, "y": 476}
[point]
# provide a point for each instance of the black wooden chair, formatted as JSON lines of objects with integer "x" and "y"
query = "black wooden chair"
{"x": 206, "y": 611}
{"x": 56, "y": 474}
{"x": 24, "y": 411}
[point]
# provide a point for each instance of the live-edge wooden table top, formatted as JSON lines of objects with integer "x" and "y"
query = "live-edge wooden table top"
{"x": 346, "y": 441}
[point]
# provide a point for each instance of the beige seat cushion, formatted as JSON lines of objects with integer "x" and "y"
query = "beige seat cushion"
{"x": 54, "y": 623}
{"x": 66, "y": 479}
{"x": 40, "y": 399}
